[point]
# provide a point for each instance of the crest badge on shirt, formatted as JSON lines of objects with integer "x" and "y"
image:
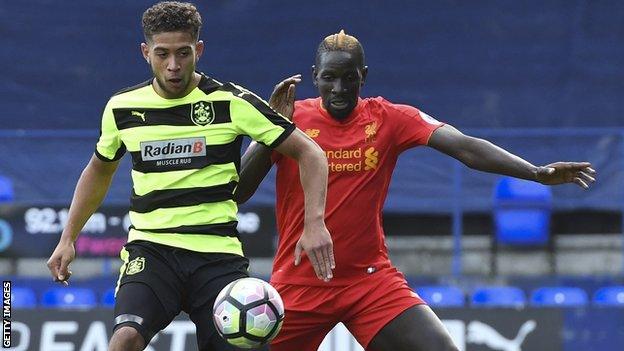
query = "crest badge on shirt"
{"x": 135, "y": 266}
{"x": 202, "y": 113}
{"x": 371, "y": 131}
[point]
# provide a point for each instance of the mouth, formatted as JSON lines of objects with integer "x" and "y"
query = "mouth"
{"x": 339, "y": 104}
{"x": 175, "y": 81}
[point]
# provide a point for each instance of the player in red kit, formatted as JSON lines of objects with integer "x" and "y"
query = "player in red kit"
{"x": 362, "y": 139}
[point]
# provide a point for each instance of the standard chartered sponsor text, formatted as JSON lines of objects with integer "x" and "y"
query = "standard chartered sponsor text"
{"x": 348, "y": 160}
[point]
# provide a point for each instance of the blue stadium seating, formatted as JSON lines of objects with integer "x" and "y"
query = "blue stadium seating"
{"x": 522, "y": 212}
{"x": 71, "y": 298}
{"x": 442, "y": 296}
{"x": 6, "y": 189}
{"x": 23, "y": 298}
{"x": 108, "y": 298}
{"x": 498, "y": 296}
{"x": 559, "y": 296}
{"x": 609, "y": 296}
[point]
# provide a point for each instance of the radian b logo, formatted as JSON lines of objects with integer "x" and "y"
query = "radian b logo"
{"x": 173, "y": 148}
{"x": 202, "y": 113}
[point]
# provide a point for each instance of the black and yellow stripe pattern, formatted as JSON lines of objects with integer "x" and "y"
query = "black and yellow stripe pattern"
{"x": 186, "y": 158}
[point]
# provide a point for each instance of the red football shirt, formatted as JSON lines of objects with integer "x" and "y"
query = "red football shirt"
{"x": 361, "y": 153}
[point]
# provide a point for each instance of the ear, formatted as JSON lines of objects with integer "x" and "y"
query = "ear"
{"x": 364, "y": 72}
{"x": 145, "y": 51}
{"x": 314, "y": 80}
{"x": 199, "y": 49}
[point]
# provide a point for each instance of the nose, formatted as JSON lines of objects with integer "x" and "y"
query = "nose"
{"x": 338, "y": 86}
{"x": 173, "y": 64}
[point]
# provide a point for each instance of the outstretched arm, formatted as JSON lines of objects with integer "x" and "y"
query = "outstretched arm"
{"x": 90, "y": 191}
{"x": 256, "y": 162}
{"x": 315, "y": 240}
{"x": 484, "y": 156}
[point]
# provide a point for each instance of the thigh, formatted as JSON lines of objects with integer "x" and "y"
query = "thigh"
{"x": 148, "y": 294}
{"x": 415, "y": 329}
{"x": 375, "y": 301}
{"x": 204, "y": 284}
{"x": 309, "y": 316}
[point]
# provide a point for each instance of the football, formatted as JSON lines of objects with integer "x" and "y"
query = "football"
{"x": 248, "y": 313}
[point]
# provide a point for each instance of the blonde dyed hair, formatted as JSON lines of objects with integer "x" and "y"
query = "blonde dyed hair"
{"x": 341, "y": 41}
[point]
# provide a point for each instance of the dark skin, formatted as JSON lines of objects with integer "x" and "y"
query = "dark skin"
{"x": 339, "y": 76}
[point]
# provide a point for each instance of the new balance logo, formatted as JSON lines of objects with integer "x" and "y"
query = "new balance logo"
{"x": 312, "y": 133}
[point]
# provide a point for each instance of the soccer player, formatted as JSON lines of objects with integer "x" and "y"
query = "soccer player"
{"x": 362, "y": 139}
{"x": 183, "y": 131}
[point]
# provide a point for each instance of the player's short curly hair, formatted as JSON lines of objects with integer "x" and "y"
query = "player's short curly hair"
{"x": 341, "y": 42}
{"x": 171, "y": 16}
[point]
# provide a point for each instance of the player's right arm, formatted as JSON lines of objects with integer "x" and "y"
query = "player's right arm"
{"x": 90, "y": 190}
{"x": 88, "y": 195}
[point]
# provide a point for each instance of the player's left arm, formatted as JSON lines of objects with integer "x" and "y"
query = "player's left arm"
{"x": 484, "y": 156}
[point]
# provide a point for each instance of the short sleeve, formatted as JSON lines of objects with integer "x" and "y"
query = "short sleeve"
{"x": 252, "y": 116}
{"x": 109, "y": 147}
{"x": 412, "y": 126}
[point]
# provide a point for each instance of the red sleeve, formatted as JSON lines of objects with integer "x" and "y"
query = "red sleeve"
{"x": 412, "y": 127}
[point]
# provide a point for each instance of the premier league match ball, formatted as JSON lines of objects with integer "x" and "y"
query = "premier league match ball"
{"x": 248, "y": 313}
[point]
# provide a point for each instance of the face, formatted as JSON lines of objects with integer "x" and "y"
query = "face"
{"x": 173, "y": 57}
{"x": 339, "y": 78}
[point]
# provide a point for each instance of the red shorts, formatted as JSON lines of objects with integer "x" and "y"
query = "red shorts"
{"x": 364, "y": 307}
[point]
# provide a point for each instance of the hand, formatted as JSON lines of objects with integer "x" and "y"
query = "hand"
{"x": 317, "y": 244}
{"x": 579, "y": 173}
{"x": 58, "y": 264}
{"x": 282, "y": 99}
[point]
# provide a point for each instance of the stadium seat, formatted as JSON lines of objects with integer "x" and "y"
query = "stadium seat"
{"x": 108, "y": 298}
{"x": 23, "y": 298}
{"x": 522, "y": 212}
{"x": 71, "y": 298}
{"x": 6, "y": 189}
{"x": 442, "y": 296}
{"x": 609, "y": 296}
{"x": 498, "y": 296}
{"x": 559, "y": 297}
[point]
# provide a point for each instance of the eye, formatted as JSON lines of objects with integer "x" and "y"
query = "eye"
{"x": 184, "y": 53}
{"x": 161, "y": 54}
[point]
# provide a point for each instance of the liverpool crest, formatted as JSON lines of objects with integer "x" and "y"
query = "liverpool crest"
{"x": 202, "y": 113}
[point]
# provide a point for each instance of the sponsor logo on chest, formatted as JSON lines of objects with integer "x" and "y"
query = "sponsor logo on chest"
{"x": 173, "y": 148}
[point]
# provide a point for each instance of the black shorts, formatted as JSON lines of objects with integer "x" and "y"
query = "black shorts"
{"x": 158, "y": 281}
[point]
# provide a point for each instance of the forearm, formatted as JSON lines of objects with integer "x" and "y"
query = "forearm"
{"x": 255, "y": 165}
{"x": 484, "y": 156}
{"x": 90, "y": 190}
{"x": 313, "y": 175}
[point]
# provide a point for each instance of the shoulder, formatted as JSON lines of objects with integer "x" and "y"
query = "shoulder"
{"x": 307, "y": 103}
{"x": 133, "y": 88}
{"x": 240, "y": 94}
{"x": 381, "y": 104}
{"x": 130, "y": 96}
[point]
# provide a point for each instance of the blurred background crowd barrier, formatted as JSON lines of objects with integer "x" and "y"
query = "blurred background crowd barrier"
{"x": 542, "y": 79}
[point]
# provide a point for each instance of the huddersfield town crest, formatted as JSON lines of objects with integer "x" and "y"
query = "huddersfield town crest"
{"x": 202, "y": 113}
